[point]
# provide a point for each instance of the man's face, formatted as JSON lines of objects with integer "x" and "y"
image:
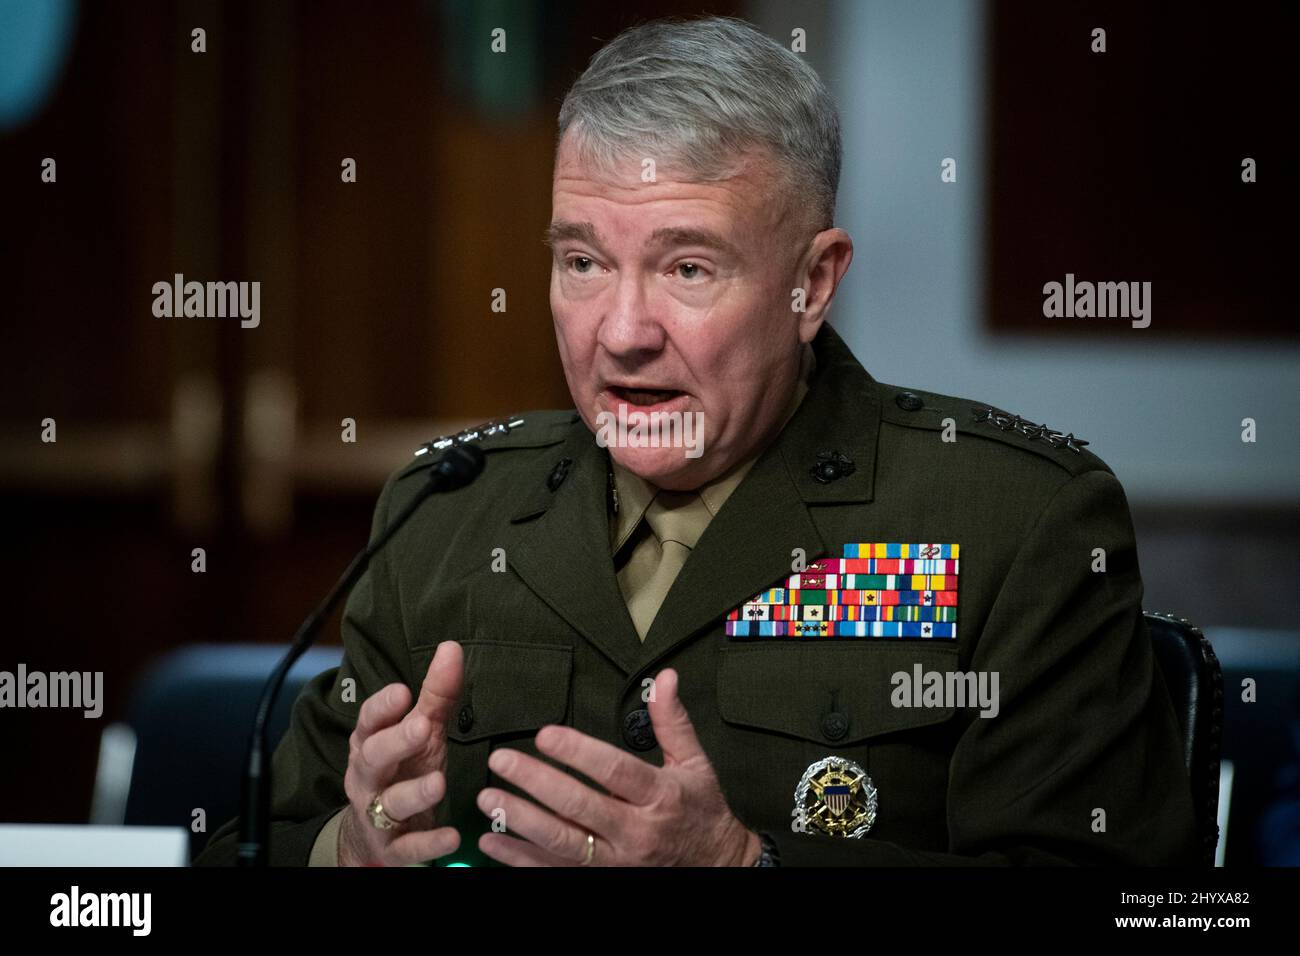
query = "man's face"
{"x": 673, "y": 296}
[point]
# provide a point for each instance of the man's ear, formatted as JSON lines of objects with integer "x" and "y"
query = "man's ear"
{"x": 824, "y": 264}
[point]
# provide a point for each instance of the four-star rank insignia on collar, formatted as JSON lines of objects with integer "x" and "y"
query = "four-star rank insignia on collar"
{"x": 478, "y": 432}
{"x": 835, "y": 797}
{"x": 875, "y": 590}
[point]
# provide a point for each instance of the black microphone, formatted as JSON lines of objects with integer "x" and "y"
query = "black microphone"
{"x": 459, "y": 466}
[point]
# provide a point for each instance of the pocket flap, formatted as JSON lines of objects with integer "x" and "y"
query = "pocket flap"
{"x": 510, "y": 687}
{"x": 836, "y": 693}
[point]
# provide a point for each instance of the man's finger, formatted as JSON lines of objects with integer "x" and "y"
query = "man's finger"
{"x": 567, "y": 839}
{"x": 382, "y": 709}
{"x": 421, "y": 846}
{"x": 565, "y": 794}
{"x": 443, "y": 681}
{"x": 406, "y": 798}
{"x": 672, "y": 724}
{"x": 625, "y": 776}
{"x": 515, "y": 852}
{"x": 379, "y": 754}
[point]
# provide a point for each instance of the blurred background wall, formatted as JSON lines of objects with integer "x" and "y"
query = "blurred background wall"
{"x": 176, "y": 434}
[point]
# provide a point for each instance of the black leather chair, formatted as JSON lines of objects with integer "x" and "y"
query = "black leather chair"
{"x": 191, "y": 716}
{"x": 1195, "y": 682}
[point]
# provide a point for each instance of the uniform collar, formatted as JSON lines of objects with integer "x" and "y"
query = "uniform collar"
{"x": 748, "y": 546}
{"x": 634, "y": 493}
{"x": 559, "y": 533}
{"x": 839, "y": 414}
{"x": 840, "y": 417}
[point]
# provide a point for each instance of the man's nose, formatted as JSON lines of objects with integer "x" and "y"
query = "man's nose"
{"x": 630, "y": 325}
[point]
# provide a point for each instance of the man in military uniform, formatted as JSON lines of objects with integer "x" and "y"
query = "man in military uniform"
{"x": 775, "y": 647}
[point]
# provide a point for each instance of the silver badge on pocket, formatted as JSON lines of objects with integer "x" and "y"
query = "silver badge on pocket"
{"x": 836, "y": 797}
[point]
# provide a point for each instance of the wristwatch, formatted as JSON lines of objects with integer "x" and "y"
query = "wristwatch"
{"x": 768, "y": 855}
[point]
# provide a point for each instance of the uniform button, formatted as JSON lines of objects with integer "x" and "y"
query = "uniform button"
{"x": 465, "y": 719}
{"x": 638, "y": 731}
{"x": 558, "y": 473}
{"x": 835, "y": 725}
{"x": 827, "y": 471}
{"x": 908, "y": 401}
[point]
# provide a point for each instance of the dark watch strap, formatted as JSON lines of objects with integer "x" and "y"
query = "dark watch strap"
{"x": 768, "y": 856}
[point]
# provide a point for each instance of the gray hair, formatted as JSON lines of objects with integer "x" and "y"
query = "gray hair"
{"x": 700, "y": 92}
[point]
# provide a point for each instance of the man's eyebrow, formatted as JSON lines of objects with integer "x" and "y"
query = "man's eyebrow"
{"x": 562, "y": 230}
{"x": 689, "y": 236}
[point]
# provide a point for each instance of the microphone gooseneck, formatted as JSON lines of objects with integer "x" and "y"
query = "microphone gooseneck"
{"x": 459, "y": 466}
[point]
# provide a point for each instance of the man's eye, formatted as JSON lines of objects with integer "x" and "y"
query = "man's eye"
{"x": 688, "y": 270}
{"x": 581, "y": 264}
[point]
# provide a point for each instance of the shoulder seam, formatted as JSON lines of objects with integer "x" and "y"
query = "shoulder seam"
{"x": 1073, "y": 460}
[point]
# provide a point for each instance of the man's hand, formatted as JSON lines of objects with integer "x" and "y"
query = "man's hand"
{"x": 403, "y": 759}
{"x": 670, "y": 816}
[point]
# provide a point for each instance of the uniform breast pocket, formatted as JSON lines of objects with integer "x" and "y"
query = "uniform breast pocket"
{"x": 787, "y": 706}
{"x": 511, "y": 690}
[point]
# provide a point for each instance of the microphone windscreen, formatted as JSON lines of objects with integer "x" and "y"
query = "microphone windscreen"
{"x": 459, "y": 466}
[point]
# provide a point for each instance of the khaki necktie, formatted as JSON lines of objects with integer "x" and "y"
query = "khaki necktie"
{"x": 676, "y": 520}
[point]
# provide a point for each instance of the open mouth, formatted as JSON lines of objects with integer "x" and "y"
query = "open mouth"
{"x": 644, "y": 396}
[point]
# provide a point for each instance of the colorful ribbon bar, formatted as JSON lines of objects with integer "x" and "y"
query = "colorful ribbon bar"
{"x": 814, "y": 629}
{"x": 874, "y": 590}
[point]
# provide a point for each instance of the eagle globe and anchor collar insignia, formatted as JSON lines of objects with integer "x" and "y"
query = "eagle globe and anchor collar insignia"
{"x": 835, "y": 797}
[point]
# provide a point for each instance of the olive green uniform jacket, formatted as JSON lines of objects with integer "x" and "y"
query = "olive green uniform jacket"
{"x": 1082, "y": 763}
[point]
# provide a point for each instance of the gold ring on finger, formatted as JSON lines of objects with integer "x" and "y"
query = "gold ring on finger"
{"x": 379, "y": 817}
